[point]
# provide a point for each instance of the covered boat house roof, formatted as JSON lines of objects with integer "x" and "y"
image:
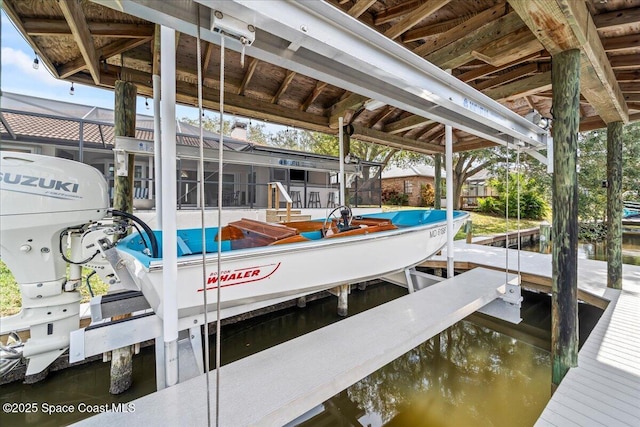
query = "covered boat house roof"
{"x": 501, "y": 48}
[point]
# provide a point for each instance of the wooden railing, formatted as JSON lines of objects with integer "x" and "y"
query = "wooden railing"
{"x": 471, "y": 202}
{"x": 274, "y": 190}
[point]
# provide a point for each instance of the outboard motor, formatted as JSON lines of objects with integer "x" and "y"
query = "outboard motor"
{"x": 40, "y": 198}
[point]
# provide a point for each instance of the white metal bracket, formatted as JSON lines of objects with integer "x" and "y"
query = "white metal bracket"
{"x": 507, "y": 305}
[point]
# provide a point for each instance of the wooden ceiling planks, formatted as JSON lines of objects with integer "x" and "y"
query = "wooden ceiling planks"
{"x": 486, "y": 43}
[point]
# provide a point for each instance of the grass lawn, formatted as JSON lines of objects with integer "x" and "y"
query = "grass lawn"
{"x": 10, "y": 299}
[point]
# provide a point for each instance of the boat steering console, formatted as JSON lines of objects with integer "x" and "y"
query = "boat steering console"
{"x": 342, "y": 216}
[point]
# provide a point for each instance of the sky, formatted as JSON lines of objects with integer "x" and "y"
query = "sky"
{"x": 17, "y": 75}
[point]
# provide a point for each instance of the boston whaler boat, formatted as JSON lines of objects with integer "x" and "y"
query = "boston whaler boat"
{"x": 54, "y": 215}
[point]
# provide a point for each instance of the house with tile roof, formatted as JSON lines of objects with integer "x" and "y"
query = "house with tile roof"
{"x": 86, "y": 134}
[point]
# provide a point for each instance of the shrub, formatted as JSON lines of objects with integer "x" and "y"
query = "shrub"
{"x": 490, "y": 205}
{"x": 532, "y": 203}
{"x": 427, "y": 195}
{"x": 393, "y": 197}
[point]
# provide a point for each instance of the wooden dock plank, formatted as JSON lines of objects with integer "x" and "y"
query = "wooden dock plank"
{"x": 594, "y": 397}
{"x": 279, "y": 384}
{"x": 551, "y": 418}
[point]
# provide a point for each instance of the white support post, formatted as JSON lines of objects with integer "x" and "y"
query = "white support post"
{"x": 157, "y": 148}
{"x": 448, "y": 135}
{"x": 169, "y": 308}
{"x": 341, "y": 148}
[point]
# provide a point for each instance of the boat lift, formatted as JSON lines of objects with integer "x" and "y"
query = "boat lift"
{"x": 316, "y": 39}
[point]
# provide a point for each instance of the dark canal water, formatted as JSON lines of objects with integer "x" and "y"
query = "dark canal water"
{"x": 467, "y": 375}
{"x": 630, "y": 249}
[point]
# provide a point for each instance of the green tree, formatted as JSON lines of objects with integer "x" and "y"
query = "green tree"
{"x": 592, "y": 170}
{"x": 532, "y": 203}
{"x": 468, "y": 163}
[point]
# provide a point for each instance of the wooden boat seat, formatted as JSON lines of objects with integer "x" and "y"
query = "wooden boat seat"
{"x": 272, "y": 232}
{"x": 364, "y": 230}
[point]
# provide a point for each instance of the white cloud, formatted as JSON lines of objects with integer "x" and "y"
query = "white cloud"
{"x": 18, "y": 71}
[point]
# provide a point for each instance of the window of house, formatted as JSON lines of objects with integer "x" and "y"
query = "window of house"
{"x": 408, "y": 187}
{"x": 298, "y": 175}
{"x": 280, "y": 175}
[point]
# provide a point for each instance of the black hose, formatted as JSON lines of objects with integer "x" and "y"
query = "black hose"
{"x": 145, "y": 227}
{"x": 64, "y": 257}
{"x": 88, "y": 284}
{"x": 144, "y": 242}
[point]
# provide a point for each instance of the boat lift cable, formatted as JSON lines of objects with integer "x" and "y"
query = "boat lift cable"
{"x": 202, "y": 220}
{"x": 220, "y": 163}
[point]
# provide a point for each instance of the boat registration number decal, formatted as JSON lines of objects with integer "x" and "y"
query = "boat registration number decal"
{"x": 239, "y": 276}
{"x": 438, "y": 232}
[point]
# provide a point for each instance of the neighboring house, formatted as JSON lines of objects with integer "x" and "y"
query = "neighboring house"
{"x": 86, "y": 134}
{"x": 476, "y": 187}
{"x": 411, "y": 179}
{"x": 408, "y": 181}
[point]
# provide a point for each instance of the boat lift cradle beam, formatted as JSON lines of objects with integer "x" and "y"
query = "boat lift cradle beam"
{"x": 316, "y": 39}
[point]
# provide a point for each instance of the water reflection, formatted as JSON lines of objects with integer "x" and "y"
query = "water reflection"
{"x": 467, "y": 375}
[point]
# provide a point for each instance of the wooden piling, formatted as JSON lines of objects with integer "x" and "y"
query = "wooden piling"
{"x": 564, "y": 303}
{"x": 545, "y": 237}
{"x": 437, "y": 180}
{"x": 346, "y": 143}
{"x": 124, "y": 125}
{"x": 614, "y": 205}
{"x": 468, "y": 229}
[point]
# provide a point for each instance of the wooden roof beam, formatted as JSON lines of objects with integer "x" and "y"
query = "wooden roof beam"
{"x": 54, "y": 27}
{"x": 247, "y": 76}
{"x": 566, "y": 24}
{"x": 360, "y": 7}
{"x": 396, "y": 11}
{"x": 283, "y": 87}
{"x": 406, "y": 124}
{"x": 622, "y": 44}
{"x": 630, "y": 87}
{"x": 206, "y": 59}
{"x": 155, "y": 51}
{"x": 617, "y": 19}
{"x": 411, "y": 19}
{"x": 421, "y": 33}
{"x": 468, "y": 25}
{"x": 187, "y": 94}
{"x": 313, "y": 95}
{"x": 460, "y": 51}
{"x": 15, "y": 18}
{"x": 624, "y": 62}
{"x": 523, "y": 87}
{"x": 378, "y": 137}
{"x": 509, "y": 48}
{"x": 77, "y": 21}
{"x": 431, "y": 131}
{"x": 107, "y": 51}
{"x": 485, "y": 70}
{"x": 510, "y": 76}
{"x": 352, "y": 102}
{"x": 383, "y": 114}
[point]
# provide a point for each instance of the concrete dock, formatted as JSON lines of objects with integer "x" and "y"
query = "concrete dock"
{"x": 279, "y": 384}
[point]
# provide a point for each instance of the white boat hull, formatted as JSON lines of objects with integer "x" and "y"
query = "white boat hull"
{"x": 262, "y": 276}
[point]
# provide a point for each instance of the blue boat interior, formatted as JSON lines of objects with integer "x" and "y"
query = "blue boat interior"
{"x": 189, "y": 241}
